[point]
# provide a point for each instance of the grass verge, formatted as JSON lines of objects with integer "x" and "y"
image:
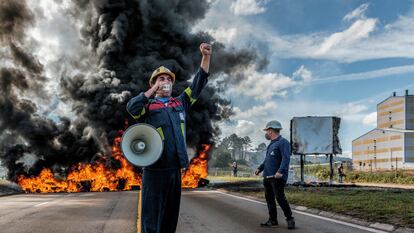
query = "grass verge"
{"x": 404, "y": 177}
{"x": 390, "y": 206}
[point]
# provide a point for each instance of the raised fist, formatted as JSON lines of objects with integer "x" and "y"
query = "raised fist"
{"x": 205, "y": 49}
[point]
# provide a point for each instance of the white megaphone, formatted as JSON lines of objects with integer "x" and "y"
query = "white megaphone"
{"x": 142, "y": 145}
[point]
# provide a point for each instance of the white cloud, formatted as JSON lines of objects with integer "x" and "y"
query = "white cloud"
{"x": 245, "y": 128}
{"x": 263, "y": 86}
{"x": 353, "y": 108}
{"x": 386, "y": 72}
{"x": 302, "y": 74}
{"x": 355, "y": 43}
{"x": 255, "y": 111}
{"x": 360, "y": 29}
{"x": 223, "y": 34}
{"x": 352, "y": 111}
{"x": 370, "y": 119}
{"x": 248, "y": 7}
{"x": 358, "y": 13}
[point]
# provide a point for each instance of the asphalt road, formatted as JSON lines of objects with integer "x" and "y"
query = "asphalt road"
{"x": 69, "y": 213}
{"x": 201, "y": 211}
{"x": 211, "y": 211}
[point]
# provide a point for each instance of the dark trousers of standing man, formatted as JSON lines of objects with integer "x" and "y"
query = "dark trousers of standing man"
{"x": 276, "y": 188}
{"x": 161, "y": 193}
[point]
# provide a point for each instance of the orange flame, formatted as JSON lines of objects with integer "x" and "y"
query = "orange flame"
{"x": 197, "y": 170}
{"x": 98, "y": 178}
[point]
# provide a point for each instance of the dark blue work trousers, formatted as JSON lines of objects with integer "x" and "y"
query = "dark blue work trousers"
{"x": 275, "y": 188}
{"x": 161, "y": 194}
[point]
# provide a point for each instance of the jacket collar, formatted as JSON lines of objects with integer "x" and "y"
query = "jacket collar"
{"x": 158, "y": 99}
{"x": 276, "y": 139}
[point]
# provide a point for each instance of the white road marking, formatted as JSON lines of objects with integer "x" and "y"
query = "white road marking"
{"x": 87, "y": 195}
{"x": 307, "y": 214}
{"x": 201, "y": 191}
{"x": 40, "y": 204}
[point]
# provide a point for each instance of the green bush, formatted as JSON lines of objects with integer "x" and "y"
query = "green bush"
{"x": 392, "y": 177}
{"x": 323, "y": 173}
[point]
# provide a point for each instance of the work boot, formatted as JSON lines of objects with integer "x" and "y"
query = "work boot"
{"x": 269, "y": 223}
{"x": 291, "y": 223}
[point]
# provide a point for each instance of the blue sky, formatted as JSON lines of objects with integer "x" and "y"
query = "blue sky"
{"x": 325, "y": 58}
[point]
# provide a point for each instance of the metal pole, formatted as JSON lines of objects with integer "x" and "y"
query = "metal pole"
{"x": 370, "y": 165}
{"x": 368, "y": 157}
{"x": 375, "y": 153}
{"x": 302, "y": 167}
{"x": 331, "y": 168}
{"x": 396, "y": 168}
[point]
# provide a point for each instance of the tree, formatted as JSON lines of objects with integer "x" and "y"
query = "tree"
{"x": 233, "y": 145}
{"x": 236, "y": 143}
{"x": 223, "y": 159}
{"x": 261, "y": 151}
{"x": 261, "y": 147}
{"x": 246, "y": 143}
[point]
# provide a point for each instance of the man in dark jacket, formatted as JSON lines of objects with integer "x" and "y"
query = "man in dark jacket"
{"x": 275, "y": 169}
{"x": 161, "y": 182}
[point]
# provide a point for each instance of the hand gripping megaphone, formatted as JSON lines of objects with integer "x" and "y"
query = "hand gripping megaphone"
{"x": 142, "y": 145}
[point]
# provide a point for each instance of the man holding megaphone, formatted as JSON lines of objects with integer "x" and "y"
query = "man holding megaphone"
{"x": 161, "y": 183}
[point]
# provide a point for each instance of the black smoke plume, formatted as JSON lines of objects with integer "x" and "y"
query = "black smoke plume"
{"x": 128, "y": 39}
{"x": 23, "y": 131}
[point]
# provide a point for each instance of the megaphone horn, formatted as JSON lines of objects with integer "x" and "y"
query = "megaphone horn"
{"x": 142, "y": 145}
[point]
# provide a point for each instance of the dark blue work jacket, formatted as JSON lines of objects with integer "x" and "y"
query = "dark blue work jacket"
{"x": 169, "y": 120}
{"x": 277, "y": 158}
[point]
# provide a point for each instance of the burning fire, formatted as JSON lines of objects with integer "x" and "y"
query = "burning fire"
{"x": 98, "y": 178}
{"x": 86, "y": 177}
{"x": 198, "y": 169}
